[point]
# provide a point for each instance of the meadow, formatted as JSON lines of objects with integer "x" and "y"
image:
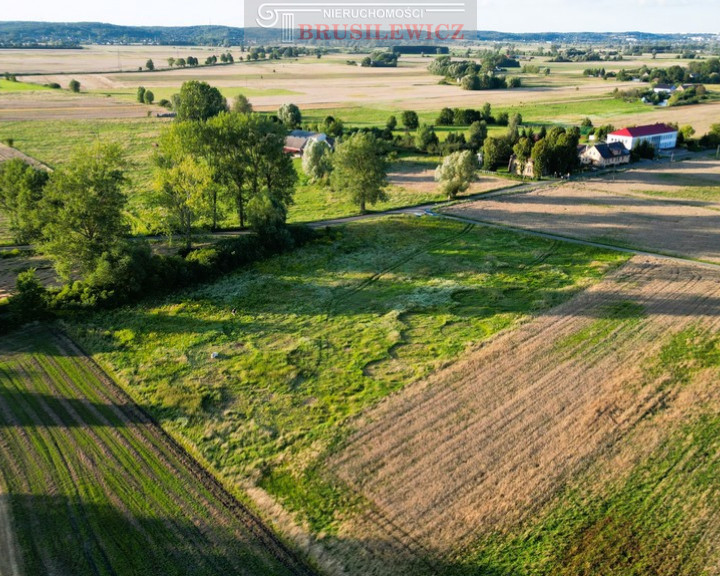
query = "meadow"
{"x": 321, "y": 335}
{"x": 90, "y": 485}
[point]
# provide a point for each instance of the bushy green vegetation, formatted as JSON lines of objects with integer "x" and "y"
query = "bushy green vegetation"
{"x": 306, "y": 341}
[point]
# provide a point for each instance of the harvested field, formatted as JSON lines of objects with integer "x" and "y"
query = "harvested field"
{"x": 488, "y": 446}
{"x": 57, "y": 105}
{"x": 95, "y": 487}
{"x": 618, "y": 212}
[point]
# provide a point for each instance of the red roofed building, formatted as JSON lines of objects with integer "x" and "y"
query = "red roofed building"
{"x": 660, "y": 136}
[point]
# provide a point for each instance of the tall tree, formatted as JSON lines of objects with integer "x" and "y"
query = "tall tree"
{"x": 21, "y": 188}
{"x": 242, "y": 105}
{"x": 317, "y": 161}
{"x": 290, "y": 115}
{"x": 182, "y": 189}
{"x": 477, "y": 135}
{"x": 410, "y": 119}
{"x": 496, "y": 152}
{"x": 83, "y": 209}
{"x": 199, "y": 101}
{"x": 360, "y": 169}
{"x": 457, "y": 171}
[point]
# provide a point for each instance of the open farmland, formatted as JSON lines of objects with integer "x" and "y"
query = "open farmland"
{"x": 329, "y": 85}
{"x": 323, "y": 334}
{"x": 90, "y": 485}
{"x": 674, "y": 209}
{"x": 584, "y": 442}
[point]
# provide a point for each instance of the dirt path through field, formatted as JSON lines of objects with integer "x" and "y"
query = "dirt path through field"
{"x": 487, "y": 442}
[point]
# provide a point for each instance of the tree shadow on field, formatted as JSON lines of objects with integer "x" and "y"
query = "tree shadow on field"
{"x": 30, "y": 409}
{"x": 69, "y": 536}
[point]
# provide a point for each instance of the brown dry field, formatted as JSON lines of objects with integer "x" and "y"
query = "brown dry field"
{"x": 617, "y": 212}
{"x": 331, "y": 83}
{"x": 421, "y": 180}
{"x": 488, "y": 442}
{"x": 95, "y": 58}
{"x": 700, "y": 117}
{"x": 56, "y": 105}
{"x": 315, "y": 84}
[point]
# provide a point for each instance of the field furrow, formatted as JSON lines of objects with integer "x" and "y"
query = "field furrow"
{"x": 94, "y": 487}
{"x": 487, "y": 443}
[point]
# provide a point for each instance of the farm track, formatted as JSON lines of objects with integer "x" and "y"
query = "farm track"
{"x": 487, "y": 442}
{"x": 69, "y": 436}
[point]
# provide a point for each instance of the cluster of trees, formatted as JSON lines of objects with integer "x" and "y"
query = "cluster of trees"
{"x": 552, "y": 152}
{"x": 207, "y": 162}
{"x": 704, "y": 71}
{"x": 471, "y": 75}
{"x": 691, "y": 95}
{"x": 380, "y": 60}
{"x": 145, "y": 96}
{"x": 276, "y": 53}
{"x": 225, "y": 58}
{"x": 599, "y": 73}
{"x": 468, "y": 116}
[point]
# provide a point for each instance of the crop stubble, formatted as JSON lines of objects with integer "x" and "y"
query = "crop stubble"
{"x": 486, "y": 443}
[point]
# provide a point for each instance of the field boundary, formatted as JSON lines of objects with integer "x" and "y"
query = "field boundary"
{"x": 573, "y": 240}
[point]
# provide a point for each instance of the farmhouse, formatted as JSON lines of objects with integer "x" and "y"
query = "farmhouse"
{"x": 664, "y": 89}
{"x": 604, "y": 155}
{"x": 661, "y": 136}
{"x": 297, "y": 140}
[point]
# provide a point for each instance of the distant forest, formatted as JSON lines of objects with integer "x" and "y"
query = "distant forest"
{"x": 57, "y": 35}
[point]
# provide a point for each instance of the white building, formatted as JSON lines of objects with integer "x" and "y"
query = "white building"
{"x": 662, "y": 137}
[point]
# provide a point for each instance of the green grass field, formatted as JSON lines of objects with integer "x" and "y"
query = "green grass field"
{"x": 703, "y": 194}
{"x": 8, "y": 86}
{"x": 321, "y": 335}
{"x": 94, "y": 488}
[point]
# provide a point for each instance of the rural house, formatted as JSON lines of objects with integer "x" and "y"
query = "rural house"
{"x": 664, "y": 88}
{"x": 297, "y": 140}
{"x": 661, "y": 136}
{"x": 604, "y": 155}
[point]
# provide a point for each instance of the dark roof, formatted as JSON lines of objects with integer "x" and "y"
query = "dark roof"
{"x": 652, "y": 130}
{"x": 295, "y": 143}
{"x": 302, "y": 134}
{"x": 610, "y": 151}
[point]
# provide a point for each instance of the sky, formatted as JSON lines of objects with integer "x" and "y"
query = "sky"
{"x": 659, "y": 16}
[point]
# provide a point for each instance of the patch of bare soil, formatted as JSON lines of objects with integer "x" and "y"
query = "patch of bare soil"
{"x": 487, "y": 442}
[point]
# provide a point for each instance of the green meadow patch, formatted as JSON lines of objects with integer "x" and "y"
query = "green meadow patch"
{"x": 262, "y": 370}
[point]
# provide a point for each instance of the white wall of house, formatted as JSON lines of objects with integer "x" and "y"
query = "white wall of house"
{"x": 659, "y": 141}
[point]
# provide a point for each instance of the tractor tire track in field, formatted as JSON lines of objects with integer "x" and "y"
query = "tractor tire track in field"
{"x": 402, "y": 261}
{"x": 487, "y": 442}
{"x": 90, "y": 457}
